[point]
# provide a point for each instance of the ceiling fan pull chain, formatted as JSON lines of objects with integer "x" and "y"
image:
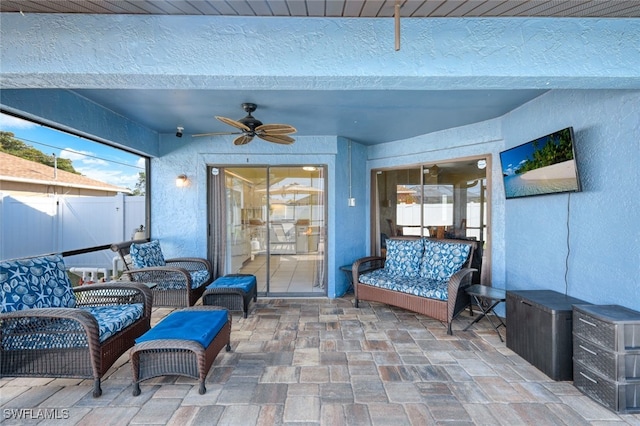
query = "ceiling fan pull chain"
{"x": 396, "y": 16}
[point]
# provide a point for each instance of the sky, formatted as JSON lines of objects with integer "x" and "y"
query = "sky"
{"x": 92, "y": 159}
{"x": 513, "y": 158}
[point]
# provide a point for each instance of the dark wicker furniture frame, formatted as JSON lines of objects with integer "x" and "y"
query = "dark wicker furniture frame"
{"x": 441, "y": 310}
{"x": 234, "y": 299}
{"x": 89, "y": 360}
{"x": 164, "y": 357}
{"x": 176, "y": 270}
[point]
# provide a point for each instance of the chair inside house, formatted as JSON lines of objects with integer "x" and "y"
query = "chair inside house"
{"x": 281, "y": 240}
{"x": 394, "y": 231}
{"x": 178, "y": 282}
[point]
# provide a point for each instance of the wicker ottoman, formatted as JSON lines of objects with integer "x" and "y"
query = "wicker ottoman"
{"x": 185, "y": 343}
{"x": 233, "y": 292}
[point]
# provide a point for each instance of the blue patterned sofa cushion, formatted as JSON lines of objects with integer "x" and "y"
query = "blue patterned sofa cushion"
{"x": 55, "y": 331}
{"x": 424, "y": 287}
{"x": 198, "y": 278}
{"x": 146, "y": 255}
{"x": 441, "y": 260}
{"x": 403, "y": 257}
{"x": 36, "y": 282}
{"x": 112, "y": 319}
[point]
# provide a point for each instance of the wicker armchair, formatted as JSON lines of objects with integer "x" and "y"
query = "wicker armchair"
{"x": 49, "y": 329}
{"x": 180, "y": 282}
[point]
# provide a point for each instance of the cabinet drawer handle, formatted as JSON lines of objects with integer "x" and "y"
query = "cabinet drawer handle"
{"x": 588, "y": 378}
{"x": 587, "y": 322}
{"x": 588, "y": 350}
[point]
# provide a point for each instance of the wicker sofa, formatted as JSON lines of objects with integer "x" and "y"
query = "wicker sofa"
{"x": 423, "y": 275}
{"x": 180, "y": 282}
{"x": 50, "y": 329}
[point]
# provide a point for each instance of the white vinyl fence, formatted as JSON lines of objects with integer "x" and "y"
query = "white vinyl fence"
{"x": 38, "y": 225}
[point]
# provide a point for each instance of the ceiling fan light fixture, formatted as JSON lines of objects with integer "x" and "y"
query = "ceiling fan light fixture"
{"x": 250, "y": 127}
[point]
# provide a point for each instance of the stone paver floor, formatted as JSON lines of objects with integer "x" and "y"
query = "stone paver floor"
{"x": 324, "y": 362}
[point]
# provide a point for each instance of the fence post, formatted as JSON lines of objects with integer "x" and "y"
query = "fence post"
{"x": 118, "y": 203}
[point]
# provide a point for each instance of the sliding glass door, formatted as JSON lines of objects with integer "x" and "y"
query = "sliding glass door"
{"x": 275, "y": 227}
{"x": 439, "y": 200}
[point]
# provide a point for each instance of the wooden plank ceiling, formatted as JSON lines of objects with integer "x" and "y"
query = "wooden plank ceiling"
{"x": 337, "y": 8}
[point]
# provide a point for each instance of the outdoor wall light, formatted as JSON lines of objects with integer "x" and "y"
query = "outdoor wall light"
{"x": 482, "y": 164}
{"x": 179, "y": 132}
{"x": 182, "y": 181}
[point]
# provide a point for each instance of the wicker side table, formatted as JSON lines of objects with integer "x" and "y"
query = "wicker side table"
{"x": 233, "y": 291}
{"x": 158, "y": 356}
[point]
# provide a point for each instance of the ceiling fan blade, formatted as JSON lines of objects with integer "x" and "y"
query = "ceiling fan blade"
{"x": 281, "y": 139}
{"x": 242, "y": 140}
{"x": 216, "y": 134}
{"x": 234, "y": 123}
{"x": 276, "y": 129}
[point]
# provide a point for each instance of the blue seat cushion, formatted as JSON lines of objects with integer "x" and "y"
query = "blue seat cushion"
{"x": 195, "y": 325}
{"x": 424, "y": 287}
{"x": 114, "y": 318}
{"x": 54, "y": 333}
{"x": 198, "y": 278}
{"x": 242, "y": 282}
{"x": 36, "y": 282}
{"x": 146, "y": 255}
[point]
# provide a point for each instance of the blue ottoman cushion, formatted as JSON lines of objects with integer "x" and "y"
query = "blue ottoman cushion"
{"x": 198, "y": 326}
{"x": 242, "y": 282}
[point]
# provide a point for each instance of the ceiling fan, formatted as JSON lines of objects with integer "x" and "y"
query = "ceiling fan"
{"x": 250, "y": 127}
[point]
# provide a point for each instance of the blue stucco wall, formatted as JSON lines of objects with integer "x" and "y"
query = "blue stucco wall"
{"x": 179, "y": 215}
{"x": 592, "y": 236}
{"x": 182, "y": 52}
{"x": 579, "y": 60}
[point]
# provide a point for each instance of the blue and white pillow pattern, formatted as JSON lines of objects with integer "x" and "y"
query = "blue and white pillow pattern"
{"x": 403, "y": 257}
{"x": 114, "y": 318}
{"x": 423, "y": 287}
{"x": 37, "y": 282}
{"x": 442, "y": 260}
{"x": 146, "y": 255}
{"x": 198, "y": 278}
{"x": 60, "y": 333}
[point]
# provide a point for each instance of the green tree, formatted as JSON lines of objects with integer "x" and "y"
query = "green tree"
{"x": 141, "y": 184}
{"x": 11, "y": 145}
{"x": 556, "y": 150}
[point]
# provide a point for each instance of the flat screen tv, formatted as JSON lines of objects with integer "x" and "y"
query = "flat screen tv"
{"x": 542, "y": 166}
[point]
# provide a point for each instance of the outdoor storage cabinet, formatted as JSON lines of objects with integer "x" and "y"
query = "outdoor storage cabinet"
{"x": 539, "y": 330}
{"x": 606, "y": 340}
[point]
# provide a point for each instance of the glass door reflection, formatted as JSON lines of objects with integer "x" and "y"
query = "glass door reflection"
{"x": 283, "y": 222}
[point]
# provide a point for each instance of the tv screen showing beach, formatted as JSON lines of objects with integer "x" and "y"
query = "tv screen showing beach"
{"x": 543, "y": 166}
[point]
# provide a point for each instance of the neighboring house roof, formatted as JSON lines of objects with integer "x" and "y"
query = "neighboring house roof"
{"x": 16, "y": 169}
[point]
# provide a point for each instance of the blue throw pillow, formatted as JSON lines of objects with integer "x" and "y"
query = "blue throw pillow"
{"x": 403, "y": 257}
{"x": 146, "y": 255}
{"x": 36, "y": 282}
{"x": 442, "y": 260}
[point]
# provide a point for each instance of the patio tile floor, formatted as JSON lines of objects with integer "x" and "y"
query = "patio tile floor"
{"x": 324, "y": 362}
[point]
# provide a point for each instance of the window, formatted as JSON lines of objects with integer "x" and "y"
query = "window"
{"x": 448, "y": 199}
